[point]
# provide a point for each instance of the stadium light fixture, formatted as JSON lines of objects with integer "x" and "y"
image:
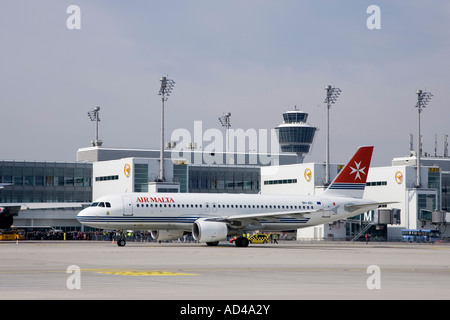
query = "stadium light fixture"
{"x": 423, "y": 97}
{"x": 332, "y": 95}
{"x": 165, "y": 91}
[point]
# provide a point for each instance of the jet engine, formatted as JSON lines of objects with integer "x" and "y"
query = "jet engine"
{"x": 166, "y": 234}
{"x": 7, "y": 216}
{"x": 209, "y": 231}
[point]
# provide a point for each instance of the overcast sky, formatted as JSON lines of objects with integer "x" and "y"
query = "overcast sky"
{"x": 253, "y": 58}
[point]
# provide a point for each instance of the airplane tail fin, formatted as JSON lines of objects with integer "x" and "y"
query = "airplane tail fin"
{"x": 351, "y": 181}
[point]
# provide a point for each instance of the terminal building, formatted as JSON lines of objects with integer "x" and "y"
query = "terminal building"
{"x": 58, "y": 191}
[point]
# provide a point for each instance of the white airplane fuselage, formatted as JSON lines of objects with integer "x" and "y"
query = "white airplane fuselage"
{"x": 178, "y": 211}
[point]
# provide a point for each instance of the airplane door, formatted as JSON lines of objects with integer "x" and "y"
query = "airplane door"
{"x": 327, "y": 208}
{"x": 127, "y": 206}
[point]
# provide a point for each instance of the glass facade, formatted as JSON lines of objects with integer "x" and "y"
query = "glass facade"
{"x": 297, "y": 116}
{"x": 295, "y": 139}
{"x": 426, "y": 203}
{"x": 180, "y": 175}
{"x": 445, "y": 191}
{"x": 45, "y": 182}
{"x": 141, "y": 177}
{"x": 434, "y": 182}
{"x": 223, "y": 179}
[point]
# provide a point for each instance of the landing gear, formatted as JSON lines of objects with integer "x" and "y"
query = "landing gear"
{"x": 213, "y": 244}
{"x": 241, "y": 242}
{"x": 121, "y": 241}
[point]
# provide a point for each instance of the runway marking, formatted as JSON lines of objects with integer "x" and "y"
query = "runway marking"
{"x": 139, "y": 272}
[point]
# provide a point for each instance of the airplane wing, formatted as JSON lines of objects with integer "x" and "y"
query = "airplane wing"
{"x": 245, "y": 219}
{"x": 10, "y": 210}
{"x": 356, "y": 206}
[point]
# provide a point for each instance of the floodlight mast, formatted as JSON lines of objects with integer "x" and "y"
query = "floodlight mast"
{"x": 332, "y": 95}
{"x": 225, "y": 122}
{"x": 165, "y": 90}
{"x": 423, "y": 98}
{"x": 94, "y": 116}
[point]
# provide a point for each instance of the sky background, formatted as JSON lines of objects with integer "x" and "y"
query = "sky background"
{"x": 253, "y": 58}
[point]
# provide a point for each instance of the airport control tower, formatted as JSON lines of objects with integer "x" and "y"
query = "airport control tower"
{"x": 294, "y": 134}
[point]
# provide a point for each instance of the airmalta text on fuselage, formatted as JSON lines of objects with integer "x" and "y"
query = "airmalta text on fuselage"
{"x": 155, "y": 199}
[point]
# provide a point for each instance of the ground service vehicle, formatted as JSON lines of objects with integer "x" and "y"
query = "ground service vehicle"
{"x": 259, "y": 238}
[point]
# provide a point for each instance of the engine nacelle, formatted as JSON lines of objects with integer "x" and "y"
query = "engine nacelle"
{"x": 166, "y": 234}
{"x": 209, "y": 231}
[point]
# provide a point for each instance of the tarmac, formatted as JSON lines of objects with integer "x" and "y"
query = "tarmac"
{"x": 92, "y": 270}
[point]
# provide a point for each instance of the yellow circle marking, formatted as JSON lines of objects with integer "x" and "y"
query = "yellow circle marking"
{"x": 399, "y": 177}
{"x": 127, "y": 169}
{"x": 308, "y": 174}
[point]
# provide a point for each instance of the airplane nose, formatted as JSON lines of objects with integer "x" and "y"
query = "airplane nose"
{"x": 82, "y": 214}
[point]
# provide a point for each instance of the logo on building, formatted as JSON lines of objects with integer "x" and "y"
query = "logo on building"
{"x": 399, "y": 177}
{"x": 307, "y": 174}
{"x": 127, "y": 169}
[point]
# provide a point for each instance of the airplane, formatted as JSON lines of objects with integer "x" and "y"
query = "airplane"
{"x": 213, "y": 217}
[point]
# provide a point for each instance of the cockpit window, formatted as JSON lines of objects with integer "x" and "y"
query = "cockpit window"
{"x": 101, "y": 204}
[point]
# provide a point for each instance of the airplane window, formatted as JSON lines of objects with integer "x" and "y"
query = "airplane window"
{"x": 101, "y": 204}
{"x": 146, "y": 205}
{"x": 108, "y": 205}
{"x": 94, "y": 204}
{"x": 137, "y": 205}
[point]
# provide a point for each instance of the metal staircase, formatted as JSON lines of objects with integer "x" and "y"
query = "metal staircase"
{"x": 364, "y": 227}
